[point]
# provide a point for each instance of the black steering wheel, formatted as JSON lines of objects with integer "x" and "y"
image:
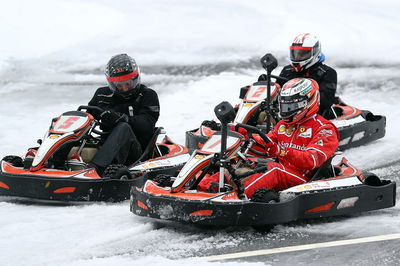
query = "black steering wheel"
{"x": 254, "y": 130}
{"x": 96, "y": 109}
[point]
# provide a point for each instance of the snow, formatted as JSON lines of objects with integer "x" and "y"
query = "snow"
{"x": 52, "y": 56}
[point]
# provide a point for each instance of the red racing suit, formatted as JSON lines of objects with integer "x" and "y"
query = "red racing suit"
{"x": 300, "y": 149}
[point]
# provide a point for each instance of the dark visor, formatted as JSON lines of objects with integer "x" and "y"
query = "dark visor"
{"x": 287, "y": 108}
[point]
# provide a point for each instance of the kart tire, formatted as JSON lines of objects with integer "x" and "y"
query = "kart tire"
{"x": 371, "y": 179}
{"x": 14, "y": 160}
{"x": 163, "y": 180}
{"x": 117, "y": 171}
{"x": 265, "y": 195}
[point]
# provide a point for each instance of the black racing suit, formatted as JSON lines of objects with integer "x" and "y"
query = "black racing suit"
{"x": 142, "y": 109}
{"x": 324, "y": 75}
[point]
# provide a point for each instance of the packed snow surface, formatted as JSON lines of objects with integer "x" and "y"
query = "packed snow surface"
{"x": 195, "y": 54}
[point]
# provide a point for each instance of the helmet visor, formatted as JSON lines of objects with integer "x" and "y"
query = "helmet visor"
{"x": 298, "y": 53}
{"x": 125, "y": 82}
{"x": 289, "y": 107}
{"x": 126, "y": 85}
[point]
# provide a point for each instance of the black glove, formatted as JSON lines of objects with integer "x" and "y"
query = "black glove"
{"x": 110, "y": 118}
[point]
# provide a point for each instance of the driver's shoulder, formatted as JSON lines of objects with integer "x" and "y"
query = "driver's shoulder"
{"x": 104, "y": 91}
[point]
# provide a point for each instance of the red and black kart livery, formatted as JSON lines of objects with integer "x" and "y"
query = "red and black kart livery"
{"x": 35, "y": 177}
{"x": 356, "y": 127}
{"x": 334, "y": 190}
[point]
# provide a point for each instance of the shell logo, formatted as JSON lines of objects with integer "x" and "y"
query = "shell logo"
{"x": 54, "y": 136}
{"x": 282, "y": 128}
{"x": 199, "y": 157}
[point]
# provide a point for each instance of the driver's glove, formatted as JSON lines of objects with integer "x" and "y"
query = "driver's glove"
{"x": 271, "y": 148}
{"x": 109, "y": 118}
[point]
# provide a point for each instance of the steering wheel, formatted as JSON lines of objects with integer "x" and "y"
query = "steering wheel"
{"x": 254, "y": 130}
{"x": 97, "y": 109}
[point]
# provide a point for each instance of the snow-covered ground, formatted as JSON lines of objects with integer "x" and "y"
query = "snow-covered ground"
{"x": 194, "y": 54}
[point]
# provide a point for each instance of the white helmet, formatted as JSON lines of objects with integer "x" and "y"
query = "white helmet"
{"x": 305, "y": 51}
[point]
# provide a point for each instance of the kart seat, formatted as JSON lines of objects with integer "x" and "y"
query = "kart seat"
{"x": 87, "y": 153}
{"x": 151, "y": 147}
{"x": 325, "y": 170}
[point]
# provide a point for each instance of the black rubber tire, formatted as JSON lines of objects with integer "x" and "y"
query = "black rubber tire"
{"x": 163, "y": 180}
{"x": 265, "y": 195}
{"x": 14, "y": 160}
{"x": 117, "y": 171}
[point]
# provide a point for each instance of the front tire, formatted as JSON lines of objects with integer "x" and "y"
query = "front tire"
{"x": 14, "y": 160}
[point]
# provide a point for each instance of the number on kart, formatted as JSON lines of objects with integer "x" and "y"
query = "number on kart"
{"x": 259, "y": 92}
{"x": 67, "y": 123}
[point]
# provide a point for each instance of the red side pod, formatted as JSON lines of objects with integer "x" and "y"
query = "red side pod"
{"x": 141, "y": 205}
{"x": 65, "y": 190}
{"x": 201, "y": 213}
{"x": 4, "y": 185}
{"x": 321, "y": 208}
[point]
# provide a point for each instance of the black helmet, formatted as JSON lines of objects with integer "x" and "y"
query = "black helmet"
{"x": 123, "y": 75}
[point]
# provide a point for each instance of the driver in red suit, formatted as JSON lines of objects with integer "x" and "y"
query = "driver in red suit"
{"x": 302, "y": 141}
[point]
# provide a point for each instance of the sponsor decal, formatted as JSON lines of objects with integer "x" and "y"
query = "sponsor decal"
{"x": 305, "y": 91}
{"x": 316, "y": 185}
{"x": 320, "y": 142}
{"x": 286, "y": 130}
{"x": 325, "y": 133}
{"x": 305, "y": 133}
{"x": 199, "y": 157}
{"x": 289, "y": 130}
{"x": 54, "y": 136}
{"x": 157, "y": 164}
{"x": 302, "y": 87}
{"x": 293, "y": 146}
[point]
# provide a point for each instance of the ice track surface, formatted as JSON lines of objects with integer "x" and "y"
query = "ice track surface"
{"x": 104, "y": 233}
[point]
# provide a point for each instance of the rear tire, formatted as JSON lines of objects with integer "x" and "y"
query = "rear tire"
{"x": 117, "y": 171}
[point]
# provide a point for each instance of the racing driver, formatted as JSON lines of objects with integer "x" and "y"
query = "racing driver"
{"x": 302, "y": 141}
